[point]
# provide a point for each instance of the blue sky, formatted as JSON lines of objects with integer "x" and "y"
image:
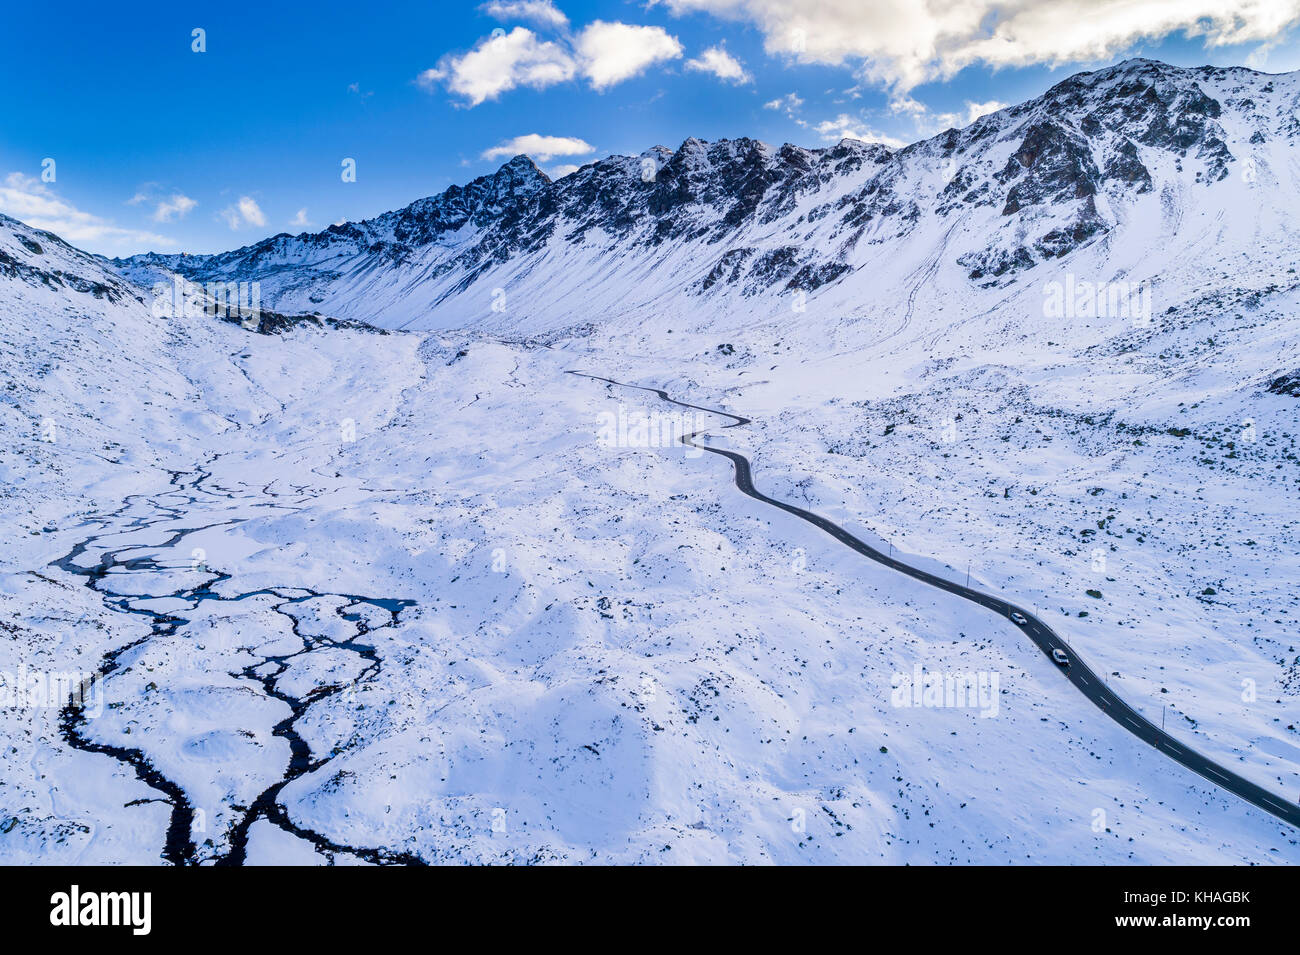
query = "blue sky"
{"x": 156, "y": 146}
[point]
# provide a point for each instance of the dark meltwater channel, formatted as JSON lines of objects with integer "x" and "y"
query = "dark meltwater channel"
{"x": 291, "y": 603}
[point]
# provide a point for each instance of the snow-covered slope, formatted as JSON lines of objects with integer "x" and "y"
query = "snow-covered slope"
{"x": 1126, "y": 158}
{"x": 579, "y": 652}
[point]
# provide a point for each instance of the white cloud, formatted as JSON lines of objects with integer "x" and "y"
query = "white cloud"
{"x": 721, "y": 64}
{"x": 300, "y": 220}
{"x": 33, "y": 202}
{"x": 175, "y": 207}
{"x": 610, "y": 53}
{"x": 908, "y": 104}
{"x": 541, "y": 12}
{"x": 167, "y": 208}
{"x": 790, "y": 103}
{"x": 541, "y": 148}
{"x": 244, "y": 212}
{"x": 975, "y": 110}
{"x": 250, "y": 211}
{"x": 501, "y": 63}
{"x": 844, "y": 126}
{"x": 603, "y": 53}
{"x": 928, "y": 123}
{"x": 559, "y": 172}
{"x": 904, "y": 43}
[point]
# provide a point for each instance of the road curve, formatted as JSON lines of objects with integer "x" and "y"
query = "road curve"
{"x": 1079, "y": 673}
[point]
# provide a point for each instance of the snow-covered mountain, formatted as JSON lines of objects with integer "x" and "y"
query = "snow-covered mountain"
{"x": 577, "y": 651}
{"x": 1121, "y": 154}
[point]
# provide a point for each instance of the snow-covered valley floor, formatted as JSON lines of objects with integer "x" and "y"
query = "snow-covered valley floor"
{"x": 392, "y": 597}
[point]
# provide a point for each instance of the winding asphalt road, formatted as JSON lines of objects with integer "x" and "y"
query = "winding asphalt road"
{"x": 1077, "y": 672}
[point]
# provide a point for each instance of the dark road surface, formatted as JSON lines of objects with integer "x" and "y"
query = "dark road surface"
{"x": 1077, "y": 672}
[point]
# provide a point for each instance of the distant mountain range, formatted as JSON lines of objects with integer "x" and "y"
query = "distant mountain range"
{"x": 1095, "y": 156}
